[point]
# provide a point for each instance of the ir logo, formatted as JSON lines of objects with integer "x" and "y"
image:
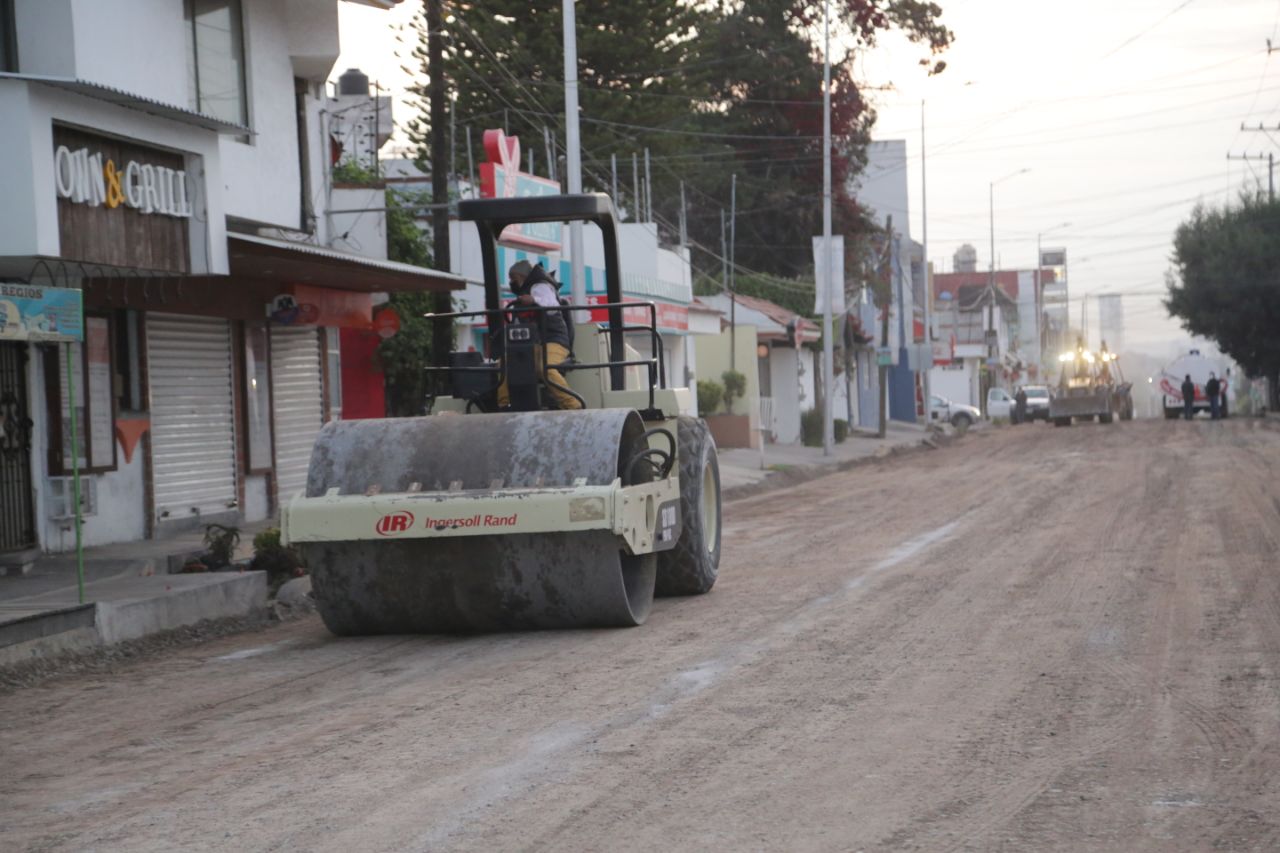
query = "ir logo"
{"x": 395, "y": 523}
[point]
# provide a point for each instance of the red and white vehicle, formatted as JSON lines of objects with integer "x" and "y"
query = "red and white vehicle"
{"x": 1198, "y": 367}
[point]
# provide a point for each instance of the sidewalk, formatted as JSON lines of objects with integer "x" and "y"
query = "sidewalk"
{"x": 741, "y": 472}
{"x": 128, "y": 593}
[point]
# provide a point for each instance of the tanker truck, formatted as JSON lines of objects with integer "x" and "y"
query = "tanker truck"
{"x": 1199, "y": 368}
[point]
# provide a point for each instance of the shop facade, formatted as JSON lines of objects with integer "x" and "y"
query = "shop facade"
{"x": 189, "y": 229}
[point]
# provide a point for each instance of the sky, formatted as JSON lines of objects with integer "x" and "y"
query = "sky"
{"x": 1123, "y": 111}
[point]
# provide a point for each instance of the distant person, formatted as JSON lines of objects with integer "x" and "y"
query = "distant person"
{"x": 1213, "y": 390}
{"x": 1020, "y": 409}
{"x": 1188, "y": 397}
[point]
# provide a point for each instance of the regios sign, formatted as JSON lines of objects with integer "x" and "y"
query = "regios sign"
{"x": 90, "y": 177}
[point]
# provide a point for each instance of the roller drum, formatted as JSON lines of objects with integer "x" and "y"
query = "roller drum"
{"x": 477, "y": 583}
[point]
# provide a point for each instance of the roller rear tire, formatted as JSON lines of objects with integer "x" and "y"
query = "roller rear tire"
{"x": 691, "y": 567}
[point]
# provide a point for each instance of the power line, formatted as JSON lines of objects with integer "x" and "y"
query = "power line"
{"x": 1184, "y": 4}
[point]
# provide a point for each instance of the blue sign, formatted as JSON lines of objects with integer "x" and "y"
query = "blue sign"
{"x": 31, "y": 312}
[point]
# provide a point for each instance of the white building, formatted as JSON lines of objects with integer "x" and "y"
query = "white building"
{"x": 786, "y": 367}
{"x": 167, "y": 163}
{"x": 882, "y": 189}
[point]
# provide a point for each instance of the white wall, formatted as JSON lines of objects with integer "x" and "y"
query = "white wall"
{"x": 882, "y": 189}
{"x": 138, "y": 46}
{"x": 362, "y": 233}
{"x": 26, "y": 208}
{"x": 46, "y": 37}
{"x": 953, "y": 384}
{"x": 257, "y": 503}
{"x": 120, "y": 513}
{"x": 809, "y": 367}
{"x": 784, "y": 387}
{"x": 29, "y": 216}
{"x": 263, "y": 176}
{"x": 313, "y": 37}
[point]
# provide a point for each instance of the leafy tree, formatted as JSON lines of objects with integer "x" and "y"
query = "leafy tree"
{"x": 712, "y": 89}
{"x": 404, "y": 356}
{"x": 1226, "y": 281}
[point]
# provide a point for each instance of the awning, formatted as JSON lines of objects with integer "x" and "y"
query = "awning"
{"x": 119, "y": 97}
{"x": 287, "y": 263}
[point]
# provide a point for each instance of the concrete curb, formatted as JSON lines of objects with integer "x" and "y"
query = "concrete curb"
{"x": 806, "y": 473}
{"x": 148, "y": 606}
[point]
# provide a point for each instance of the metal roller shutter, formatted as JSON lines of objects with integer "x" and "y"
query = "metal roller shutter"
{"x": 193, "y": 442}
{"x": 297, "y": 403}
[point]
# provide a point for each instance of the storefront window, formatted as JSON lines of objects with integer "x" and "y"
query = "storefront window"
{"x": 257, "y": 396}
{"x": 215, "y": 59}
{"x": 94, "y": 401}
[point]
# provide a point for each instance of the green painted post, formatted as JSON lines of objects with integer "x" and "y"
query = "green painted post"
{"x": 75, "y": 472}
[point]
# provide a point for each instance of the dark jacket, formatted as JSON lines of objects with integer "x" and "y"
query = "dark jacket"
{"x": 1188, "y": 391}
{"x": 554, "y": 328}
{"x": 1212, "y": 388}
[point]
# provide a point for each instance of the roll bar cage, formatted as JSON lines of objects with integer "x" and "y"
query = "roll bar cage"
{"x": 493, "y": 215}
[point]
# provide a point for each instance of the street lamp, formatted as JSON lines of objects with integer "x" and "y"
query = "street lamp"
{"x": 991, "y": 280}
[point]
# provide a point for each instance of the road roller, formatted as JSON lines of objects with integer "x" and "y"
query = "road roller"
{"x": 533, "y": 495}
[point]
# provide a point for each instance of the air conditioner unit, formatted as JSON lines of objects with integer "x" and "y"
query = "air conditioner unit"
{"x": 60, "y": 499}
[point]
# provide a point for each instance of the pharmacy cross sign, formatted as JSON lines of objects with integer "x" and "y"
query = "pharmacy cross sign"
{"x": 501, "y": 178}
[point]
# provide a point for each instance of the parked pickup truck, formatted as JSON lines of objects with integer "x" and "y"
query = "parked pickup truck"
{"x": 959, "y": 415}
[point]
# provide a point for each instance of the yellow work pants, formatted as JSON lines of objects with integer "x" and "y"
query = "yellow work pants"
{"x": 558, "y": 354}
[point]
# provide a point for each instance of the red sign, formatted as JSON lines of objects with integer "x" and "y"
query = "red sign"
{"x": 395, "y": 523}
{"x": 501, "y": 178}
{"x": 386, "y": 323}
{"x": 671, "y": 318}
{"x": 674, "y": 318}
{"x": 323, "y": 306}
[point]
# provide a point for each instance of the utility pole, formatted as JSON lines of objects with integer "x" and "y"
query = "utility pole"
{"x": 1271, "y": 165}
{"x": 574, "y": 151}
{"x": 441, "y": 302}
{"x": 684, "y": 224}
{"x": 648, "y": 188}
{"x": 928, "y": 279}
{"x": 828, "y": 345}
{"x": 733, "y": 273}
{"x": 883, "y": 369}
{"x": 638, "y": 214}
{"x": 471, "y": 167}
{"x": 550, "y": 151}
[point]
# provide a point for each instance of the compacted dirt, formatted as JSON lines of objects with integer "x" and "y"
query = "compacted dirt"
{"x": 1035, "y": 639}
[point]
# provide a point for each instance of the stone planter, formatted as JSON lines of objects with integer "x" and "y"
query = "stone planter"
{"x": 733, "y": 431}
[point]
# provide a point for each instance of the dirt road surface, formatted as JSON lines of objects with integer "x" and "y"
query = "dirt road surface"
{"x": 1038, "y": 639}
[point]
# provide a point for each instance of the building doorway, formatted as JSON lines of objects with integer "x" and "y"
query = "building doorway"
{"x": 17, "y": 517}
